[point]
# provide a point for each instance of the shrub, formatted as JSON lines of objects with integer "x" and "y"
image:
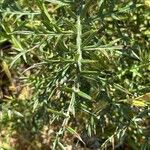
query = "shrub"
{"x": 81, "y": 67}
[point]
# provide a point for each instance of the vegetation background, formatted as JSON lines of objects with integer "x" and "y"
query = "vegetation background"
{"x": 74, "y": 74}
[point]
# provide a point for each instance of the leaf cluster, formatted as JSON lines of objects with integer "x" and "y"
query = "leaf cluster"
{"x": 85, "y": 66}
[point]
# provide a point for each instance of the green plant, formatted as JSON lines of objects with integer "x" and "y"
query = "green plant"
{"x": 84, "y": 61}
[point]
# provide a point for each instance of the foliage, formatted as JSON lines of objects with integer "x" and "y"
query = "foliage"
{"x": 74, "y": 67}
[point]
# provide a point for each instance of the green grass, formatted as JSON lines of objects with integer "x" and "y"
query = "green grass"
{"x": 76, "y": 67}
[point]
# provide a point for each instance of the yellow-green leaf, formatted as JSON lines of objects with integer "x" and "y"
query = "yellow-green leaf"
{"x": 6, "y": 70}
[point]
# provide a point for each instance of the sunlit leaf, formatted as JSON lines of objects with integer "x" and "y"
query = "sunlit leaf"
{"x": 6, "y": 70}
